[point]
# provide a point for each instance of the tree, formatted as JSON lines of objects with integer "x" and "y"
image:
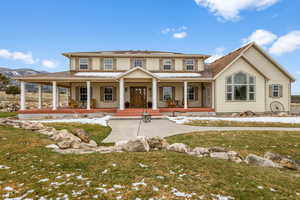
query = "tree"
{"x": 12, "y": 90}
{"x": 4, "y": 81}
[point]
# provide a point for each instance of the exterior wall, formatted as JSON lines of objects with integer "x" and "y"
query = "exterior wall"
{"x": 178, "y": 64}
{"x": 123, "y": 64}
{"x": 72, "y": 63}
{"x": 200, "y": 65}
{"x": 152, "y": 64}
{"x": 274, "y": 74}
{"x": 221, "y": 105}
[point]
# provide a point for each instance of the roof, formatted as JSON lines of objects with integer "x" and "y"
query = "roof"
{"x": 220, "y": 64}
{"x": 134, "y": 53}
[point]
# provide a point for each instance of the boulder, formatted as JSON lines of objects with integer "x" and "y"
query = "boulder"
{"x": 200, "y": 151}
{"x": 253, "y": 159}
{"x": 34, "y": 126}
{"x": 247, "y": 114}
{"x": 283, "y": 114}
{"x": 235, "y": 115}
{"x": 219, "y": 155}
{"x": 139, "y": 144}
{"x": 65, "y": 135}
{"x": 157, "y": 143}
{"x": 48, "y": 131}
{"x": 273, "y": 156}
{"x": 52, "y": 146}
{"x": 79, "y": 132}
{"x": 234, "y": 157}
{"x": 282, "y": 160}
{"x": 179, "y": 147}
{"x": 217, "y": 149}
{"x": 65, "y": 144}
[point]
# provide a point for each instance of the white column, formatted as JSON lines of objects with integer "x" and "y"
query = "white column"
{"x": 154, "y": 94}
{"x": 54, "y": 98}
{"x": 22, "y": 97}
{"x": 213, "y": 94}
{"x": 121, "y": 96}
{"x": 185, "y": 94}
{"x": 40, "y": 96}
{"x": 88, "y": 90}
{"x": 57, "y": 97}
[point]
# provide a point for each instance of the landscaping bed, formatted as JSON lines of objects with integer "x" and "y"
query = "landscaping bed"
{"x": 28, "y": 169}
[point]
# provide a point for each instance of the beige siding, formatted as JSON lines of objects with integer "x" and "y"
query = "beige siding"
{"x": 178, "y": 64}
{"x": 72, "y": 63}
{"x": 123, "y": 63}
{"x": 221, "y": 105}
{"x": 152, "y": 64}
{"x": 200, "y": 65}
{"x": 274, "y": 74}
{"x": 137, "y": 74}
{"x": 95, "y": 63}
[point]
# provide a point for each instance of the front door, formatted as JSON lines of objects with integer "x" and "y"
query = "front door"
{"x": 138, "y": 97}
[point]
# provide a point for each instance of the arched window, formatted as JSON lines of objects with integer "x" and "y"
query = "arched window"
{"x": 240, "y": 87}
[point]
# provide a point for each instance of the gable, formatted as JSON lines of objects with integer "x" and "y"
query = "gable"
{"x": 137, "y": 74}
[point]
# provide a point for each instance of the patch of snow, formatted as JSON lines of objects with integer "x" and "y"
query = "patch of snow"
{"x": 260, "y": 187}
{"x": 99, "y": 74}
{"x": 100, "y": 121}
{"x": 43, "y": 180}
{"x": 104, "y": 171}
{"x": 220, "y": 197}
{"x": 142, "y": 165}
{"x": 139, "y": 183}
{"x": 7, "y": 188}
{"x": 181, "y": 194}
{"x": 177, "y": 75}
{"x": 291, "y": 120}
{"x": 4, "y": 167}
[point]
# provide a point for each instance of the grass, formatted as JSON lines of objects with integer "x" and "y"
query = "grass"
{"x": 96, "y": 132}
{"x": 245, "y": 142}
{"x": 222, "y": 123}
{"x": 8, "y": 114}
{"x": 83, "y": 176}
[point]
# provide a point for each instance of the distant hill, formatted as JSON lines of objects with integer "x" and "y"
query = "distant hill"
{"x": 295, "y": 99}
{"x": 23, "y": 72}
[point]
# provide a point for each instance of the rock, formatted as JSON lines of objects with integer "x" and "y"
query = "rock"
{"x": 52, "y": 146}
{"x": 219, "y": 155}
{"x": 260, "y": 161}
{"x": 179, "y": 147}
{"x": 34, "y": 126}
{"x": 139, "y": 144}
{"x": 79, "y": 132}
{"x": 76, "y": 145}
{"x": 247, "y": 114}
{"x": 282, "y": 160}
{"x": 235, "y": 115}
{"x": 283, "y": 114}
{"x": 48, "y": 131}
{"x": 273, "y": 156}
{"x": 65, "y": 135}
{"x": 200, "y": 151}
{"x": 217, "y": 149}
{"x": 234, "y": 157}
{"x": 157, "y": 143}
{"x": 65, "y": 144}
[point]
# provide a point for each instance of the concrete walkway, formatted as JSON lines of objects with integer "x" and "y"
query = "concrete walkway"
{"x": 129, "y": 129}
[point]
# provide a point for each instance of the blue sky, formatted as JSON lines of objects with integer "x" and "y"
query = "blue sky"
{"x": 34, "y": 33}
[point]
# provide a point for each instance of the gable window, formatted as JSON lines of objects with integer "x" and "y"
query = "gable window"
{"x": 138, "y": 63}
{"x": 83, "y": 63}
{"x": 191, "y": 93}
{"x": 276, "y": 90}
{"x": 167, "y": 93}
{"x": 167, "y": 64}
{"x": 108, "y": 93}
{"x": 83, "y": 94}
{"x": 240, "y": 87}
{"x": 190, "y": 64}
{"x": 108, "y": 63}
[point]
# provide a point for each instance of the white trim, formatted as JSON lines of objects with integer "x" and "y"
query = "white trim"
{"x": 185, "y": 84}
{"x": 23, "y": 98}
{"x": 154, "y": 94}
{"x": 54, "y": 106}
{"x": 88, "y": 93}
{"x": 122, "y": 94}
{"x": 137, "y": 68}
{"x": 85, "y": 63}
{"x": 40, "y": 96}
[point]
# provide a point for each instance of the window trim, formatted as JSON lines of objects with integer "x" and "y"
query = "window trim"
{"x": 87, "y": 63}
{"x": 112, "y": 64}
{"x": 186, "y": 64}
{"x": 163, "y": 64}
{"x": 279, "y": 86}
{"x": 142, "y": 62}
{"x": 112, "y": 94}
{"x": 233, "y": 84}
{"x": 163, "y": 93}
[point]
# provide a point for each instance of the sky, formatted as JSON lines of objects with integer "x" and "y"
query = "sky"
{"x": 35, "y": 33}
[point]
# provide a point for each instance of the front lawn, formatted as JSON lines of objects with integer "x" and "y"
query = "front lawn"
{"x": 96, "y": 132}
{"x": 245, "y": 142}
{"x": 223, "y": 123}
{"x": 8, "y": 114}
{"x": 29, "y": 170}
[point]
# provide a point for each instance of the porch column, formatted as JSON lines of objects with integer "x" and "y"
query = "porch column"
{"x": 40, "y": 96}
{"x": 57, "y": 97}
{"x": 213, "y": 95}
{"x": 154, "y": 94}
{"x": 88, "y": 90}
{"x": 22, "y": 97}
{"x": 54, "y": 100}
{"x": 121, "y": 94}
{"x": 185, "y": 94}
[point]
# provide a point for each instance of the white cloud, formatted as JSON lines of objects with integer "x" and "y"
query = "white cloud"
{"x": 287, "y": 43}
{"x": 261, "y": 37}
{"x": 230, "y": 9}
{"x": 16, "y": 55}
{"x": 218, "y": 53}
{"x": 180, "y": 35}
{"x": 49, "y": 64}
{"x": 165, "y": 31}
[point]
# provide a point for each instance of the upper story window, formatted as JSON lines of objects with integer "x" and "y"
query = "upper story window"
{"x": 108, "y": 63}
{"x": 240, "y": 87}
{"x": 167, "y": 64}
{"x": 275, "y": 90}
{"x": 190, "y": 64}
{"x": 138, "y": 62}
{"x": 83, "y": 63}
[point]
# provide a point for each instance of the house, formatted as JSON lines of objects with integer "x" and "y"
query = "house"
{"x": 124, "y": 82}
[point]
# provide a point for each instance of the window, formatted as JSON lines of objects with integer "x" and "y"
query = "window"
{"x": 190, "y": 64}
{"x": 240, "y": 87}
{"x": 83, "y": 94}
{"x": 191, "y": 93}
{"x": 167, "y": 93}
{"x": 108, "y": 94}
{"x": 83, "y": 63}
{"x": 138, "y": 63}
{"x": 167, "y": 64}
{"x": 276, "y": 90}
{"x": 108, "y": 63}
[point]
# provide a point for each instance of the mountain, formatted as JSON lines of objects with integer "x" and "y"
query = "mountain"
{"x": 23, "y": 72}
